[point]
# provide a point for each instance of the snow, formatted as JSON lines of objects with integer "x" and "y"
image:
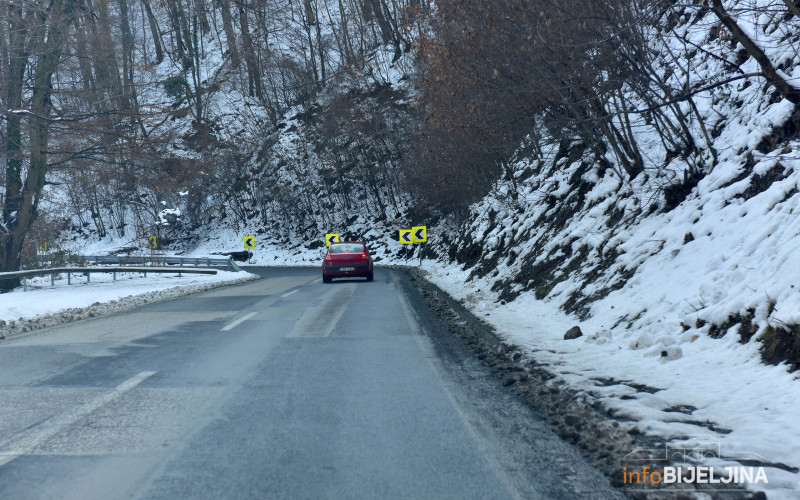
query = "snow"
{"x": 45, "y": 305}
{"x": 723, "y": 379}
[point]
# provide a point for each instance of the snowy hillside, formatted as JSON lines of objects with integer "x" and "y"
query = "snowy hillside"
{"x": 684, "y": 279}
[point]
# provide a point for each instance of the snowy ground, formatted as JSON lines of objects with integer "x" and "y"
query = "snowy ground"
{"x": 44, "y": 305}
{"x": 717, "y": 391}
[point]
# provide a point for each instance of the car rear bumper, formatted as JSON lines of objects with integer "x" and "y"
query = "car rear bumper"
{"x": 336, "y": 271}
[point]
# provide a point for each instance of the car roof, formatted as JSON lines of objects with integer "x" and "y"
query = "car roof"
{"x": 348, "y": 243}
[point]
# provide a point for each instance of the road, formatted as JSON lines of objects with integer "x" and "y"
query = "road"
{"x": 283, "y": 387}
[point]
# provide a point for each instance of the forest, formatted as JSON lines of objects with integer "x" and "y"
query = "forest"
{"x": 119, "y": 114}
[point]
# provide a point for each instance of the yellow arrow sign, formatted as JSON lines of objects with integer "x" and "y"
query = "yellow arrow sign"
{"x": 249, "y": 241}
{"x": 406, "y": 237}
{"x": 420, "y": 234}
{"x": 331, "y": 238}
{"x": 152, "y": 242}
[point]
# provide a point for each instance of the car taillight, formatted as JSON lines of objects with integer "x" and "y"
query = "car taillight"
{"x": 364, "y": 255}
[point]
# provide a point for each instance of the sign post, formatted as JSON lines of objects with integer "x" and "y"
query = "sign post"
{"x": 152, "y": 245}
{"x": 417, "y": 234}
{"x": 249, "y": 244}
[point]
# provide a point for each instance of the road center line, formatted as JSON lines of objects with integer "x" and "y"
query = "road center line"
{"x": 27, "y": 443}
{"x": 235, "y": 323}
{"x": 289, "y": 293}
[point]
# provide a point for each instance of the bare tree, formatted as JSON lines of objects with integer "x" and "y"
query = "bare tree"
{"x": 48, "y": 36}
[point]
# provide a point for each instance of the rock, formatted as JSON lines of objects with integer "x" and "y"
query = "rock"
{"x": 644, "y": 341}
{"x": 671, "y": 353}
{"x": 573, "y": 333}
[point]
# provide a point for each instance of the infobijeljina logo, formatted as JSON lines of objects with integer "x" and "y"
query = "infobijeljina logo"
{"x": 686, "y": 463}
{"x": 694, "y": 475}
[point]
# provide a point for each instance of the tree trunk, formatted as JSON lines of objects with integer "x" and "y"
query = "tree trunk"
{"x": 151, "y": 19}
{"x": 230, "y": 34}
{"x": 770, "y": 73}
{"x": 9, "y": 258}
{"x": 793, "y": 8}
{"x": 253, "y": 75}
{"x": 127, "y": 53}
{"x": 27, "y": 200}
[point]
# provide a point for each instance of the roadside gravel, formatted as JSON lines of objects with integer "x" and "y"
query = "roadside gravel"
{"x": 609, "y": 445}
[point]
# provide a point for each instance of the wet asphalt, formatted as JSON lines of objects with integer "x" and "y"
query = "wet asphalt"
{"x": 283, "y": 387}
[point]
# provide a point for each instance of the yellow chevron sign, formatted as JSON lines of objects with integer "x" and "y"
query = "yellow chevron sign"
{"x": 249, "y": 241}
{"x": 419, "y": 234}
{"x": 331, "y": 238}
{"x": 406, "y": 237}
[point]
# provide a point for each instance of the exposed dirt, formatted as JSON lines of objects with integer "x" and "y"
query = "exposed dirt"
{"x": 606, "y": 441}
{"x": 781, "y": 344}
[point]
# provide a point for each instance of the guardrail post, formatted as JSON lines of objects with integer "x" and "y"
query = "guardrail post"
{"x": 88, "y": 277}
{"x": 24, "y": 283}
{"x": 52, "y": 279}
{"x": 69, "y": 278}
{"x": 208, "y": 262}
{"x": 115, "y": 275}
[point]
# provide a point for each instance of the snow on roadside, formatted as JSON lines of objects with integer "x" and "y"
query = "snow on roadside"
{"x": 719, "y": 389}
{"x": 42, "y": 305}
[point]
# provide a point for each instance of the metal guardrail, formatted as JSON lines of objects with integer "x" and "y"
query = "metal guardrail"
{"x": 226, "y": 262}
{"x": 30, "y": 273}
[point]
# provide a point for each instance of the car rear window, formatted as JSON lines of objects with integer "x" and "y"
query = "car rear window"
{"x": 347, "y": 247}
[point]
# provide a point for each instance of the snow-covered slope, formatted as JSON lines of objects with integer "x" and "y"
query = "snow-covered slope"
{"x": 684, "y": 283}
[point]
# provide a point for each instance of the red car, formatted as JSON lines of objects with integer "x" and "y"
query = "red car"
{"x": 347, "y": 259}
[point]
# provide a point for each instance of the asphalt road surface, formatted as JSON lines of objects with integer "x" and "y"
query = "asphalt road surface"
{"x": 284, "y": 387}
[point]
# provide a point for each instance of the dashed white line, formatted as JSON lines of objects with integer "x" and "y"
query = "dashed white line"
{"x": 289, "y": 293}
{"x": 235, "y": 323}
{"x": 28, "y": 442}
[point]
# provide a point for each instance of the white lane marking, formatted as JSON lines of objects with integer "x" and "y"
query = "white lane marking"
{"x": 316, "y": 281}
{"x": 289, "y": 293}
{"x": 27, "y": 443}
{"x": 235, "y": 323}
